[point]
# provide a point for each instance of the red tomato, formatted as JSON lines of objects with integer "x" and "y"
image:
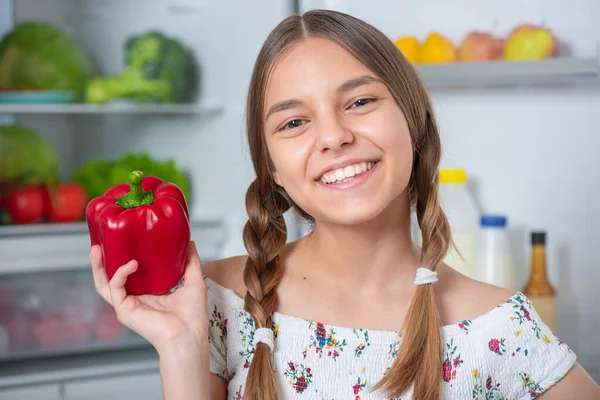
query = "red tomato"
{"x": 26, "y": 205}
{"x": 67, "y": 203}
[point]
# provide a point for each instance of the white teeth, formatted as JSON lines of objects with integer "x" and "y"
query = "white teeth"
{"x": 347, "y": 173}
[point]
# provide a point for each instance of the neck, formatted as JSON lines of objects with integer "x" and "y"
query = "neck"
{"x": 375, "y": 255}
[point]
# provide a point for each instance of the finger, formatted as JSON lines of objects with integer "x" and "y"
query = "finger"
{"x": 193, "y": 269}
{"x": 99, "y": 273}
{"x": 118, "y": 294}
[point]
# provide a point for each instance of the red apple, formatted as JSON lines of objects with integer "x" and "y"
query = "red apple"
{"x": 480, "y": 46}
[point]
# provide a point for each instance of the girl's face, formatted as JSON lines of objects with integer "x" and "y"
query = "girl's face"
{"x": 339, "y": 142}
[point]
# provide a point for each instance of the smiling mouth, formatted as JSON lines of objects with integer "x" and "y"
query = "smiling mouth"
{"x": 347, "y": 173}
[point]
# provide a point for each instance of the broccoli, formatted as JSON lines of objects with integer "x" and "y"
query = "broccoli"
{"x": 159, "y": 70}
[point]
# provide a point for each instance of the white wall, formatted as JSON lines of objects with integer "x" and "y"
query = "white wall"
{"x": 531, "y": 153}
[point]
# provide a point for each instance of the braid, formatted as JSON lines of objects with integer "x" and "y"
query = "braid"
{"x": 420, "y": 356}
{"x": 264, "y": 235}
{"x": 432, "y": 221}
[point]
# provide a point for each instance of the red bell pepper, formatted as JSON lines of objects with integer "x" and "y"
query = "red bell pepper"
{"x": 147, "y": 221}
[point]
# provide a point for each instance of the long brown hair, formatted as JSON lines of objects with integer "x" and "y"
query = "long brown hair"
{"x": 419, "y": 360}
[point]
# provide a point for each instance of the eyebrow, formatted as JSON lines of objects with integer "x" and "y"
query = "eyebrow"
{"x": 356, "y": 82}
{"x": 344, "y": 87}
{"x": 283, "y": 105}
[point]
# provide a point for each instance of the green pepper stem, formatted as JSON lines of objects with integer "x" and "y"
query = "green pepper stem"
{"x": 136, "y": 191}
{"x": 136, "y": 196}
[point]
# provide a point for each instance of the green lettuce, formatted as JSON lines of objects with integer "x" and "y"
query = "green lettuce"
{"x": 25, "y": 157}
{"x": 97, "y": 176}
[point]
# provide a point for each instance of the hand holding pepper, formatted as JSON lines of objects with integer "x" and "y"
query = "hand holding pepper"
{"x": 147, "y": 221}
{"x": 164, "y": 321}
{"x": 141, "y": 249}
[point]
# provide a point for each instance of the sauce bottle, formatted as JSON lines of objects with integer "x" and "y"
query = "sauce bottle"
{"x": 538, "y": 288}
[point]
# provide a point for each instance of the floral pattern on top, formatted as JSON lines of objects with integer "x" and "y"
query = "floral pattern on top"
{"x": 324, "y": 342}
{"x": 363, "y": 336}
{"x": 505, "y": 354}
{"x": 218, "y": 321}
{"x": 465, "y": 325}
{"x": 451, "y": 363}
{"x": 298, "y": 376}
{"x": 498, "y": 346}
{"x": 486, "y": 389}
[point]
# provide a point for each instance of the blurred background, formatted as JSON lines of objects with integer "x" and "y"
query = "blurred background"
{"x": 90, "y": 90}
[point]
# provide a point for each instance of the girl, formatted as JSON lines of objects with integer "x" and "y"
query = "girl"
{"x": 341, "y": 128}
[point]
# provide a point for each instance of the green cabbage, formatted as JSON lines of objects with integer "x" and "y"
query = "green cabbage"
{"x": 39, "y": 56}
{"x": 25, "y": 157}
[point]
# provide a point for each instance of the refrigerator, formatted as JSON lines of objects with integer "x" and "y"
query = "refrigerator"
{"x": 529, "y": 151}
{"x": 58, "y": 339}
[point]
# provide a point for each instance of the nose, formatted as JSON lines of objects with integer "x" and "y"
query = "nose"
{"x": 332, "y": 136}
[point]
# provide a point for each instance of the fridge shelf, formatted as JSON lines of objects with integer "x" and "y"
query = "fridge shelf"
{"x": 201, "y": 110}
{"x": 510, "y": 73}
{"x": 54, "y": 247}
{"x": 57, "y": 313}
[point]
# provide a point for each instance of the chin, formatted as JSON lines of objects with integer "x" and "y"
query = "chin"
{"x": 349, "y": 215}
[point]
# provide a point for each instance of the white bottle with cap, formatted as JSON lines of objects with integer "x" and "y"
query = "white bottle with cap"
{"x": 494, "y": 258}
{"x": 463, "y": 215}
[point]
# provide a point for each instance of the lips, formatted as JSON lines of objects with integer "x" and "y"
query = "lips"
{"x": 345, "y": 169}
{"x": 346, "y": 173}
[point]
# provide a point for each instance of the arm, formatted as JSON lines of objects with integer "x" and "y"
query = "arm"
{"x": 185, "y": 374}
{"x": 176, "y": 325}
{"x": 576, "y": 384}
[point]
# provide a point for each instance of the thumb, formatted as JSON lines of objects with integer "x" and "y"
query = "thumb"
{"x": 193, "y": 269}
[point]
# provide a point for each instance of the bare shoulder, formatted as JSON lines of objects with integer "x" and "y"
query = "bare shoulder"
{"x": 576, "y": 384}
{"x": 228, "y": 272}
{"x": 461, "y": 297}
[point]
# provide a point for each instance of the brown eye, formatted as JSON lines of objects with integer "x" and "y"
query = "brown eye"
{"x": 295, "y": 123}
{"x": 362, "y": 102}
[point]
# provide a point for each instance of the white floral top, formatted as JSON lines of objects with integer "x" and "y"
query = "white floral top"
{"x": 508, "y": 353}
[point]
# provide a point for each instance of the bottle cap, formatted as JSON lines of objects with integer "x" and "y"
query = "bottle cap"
{"x": 453, "y": 175}
{"x": 493, "y": 221}
{"x": 538, "y": 238}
